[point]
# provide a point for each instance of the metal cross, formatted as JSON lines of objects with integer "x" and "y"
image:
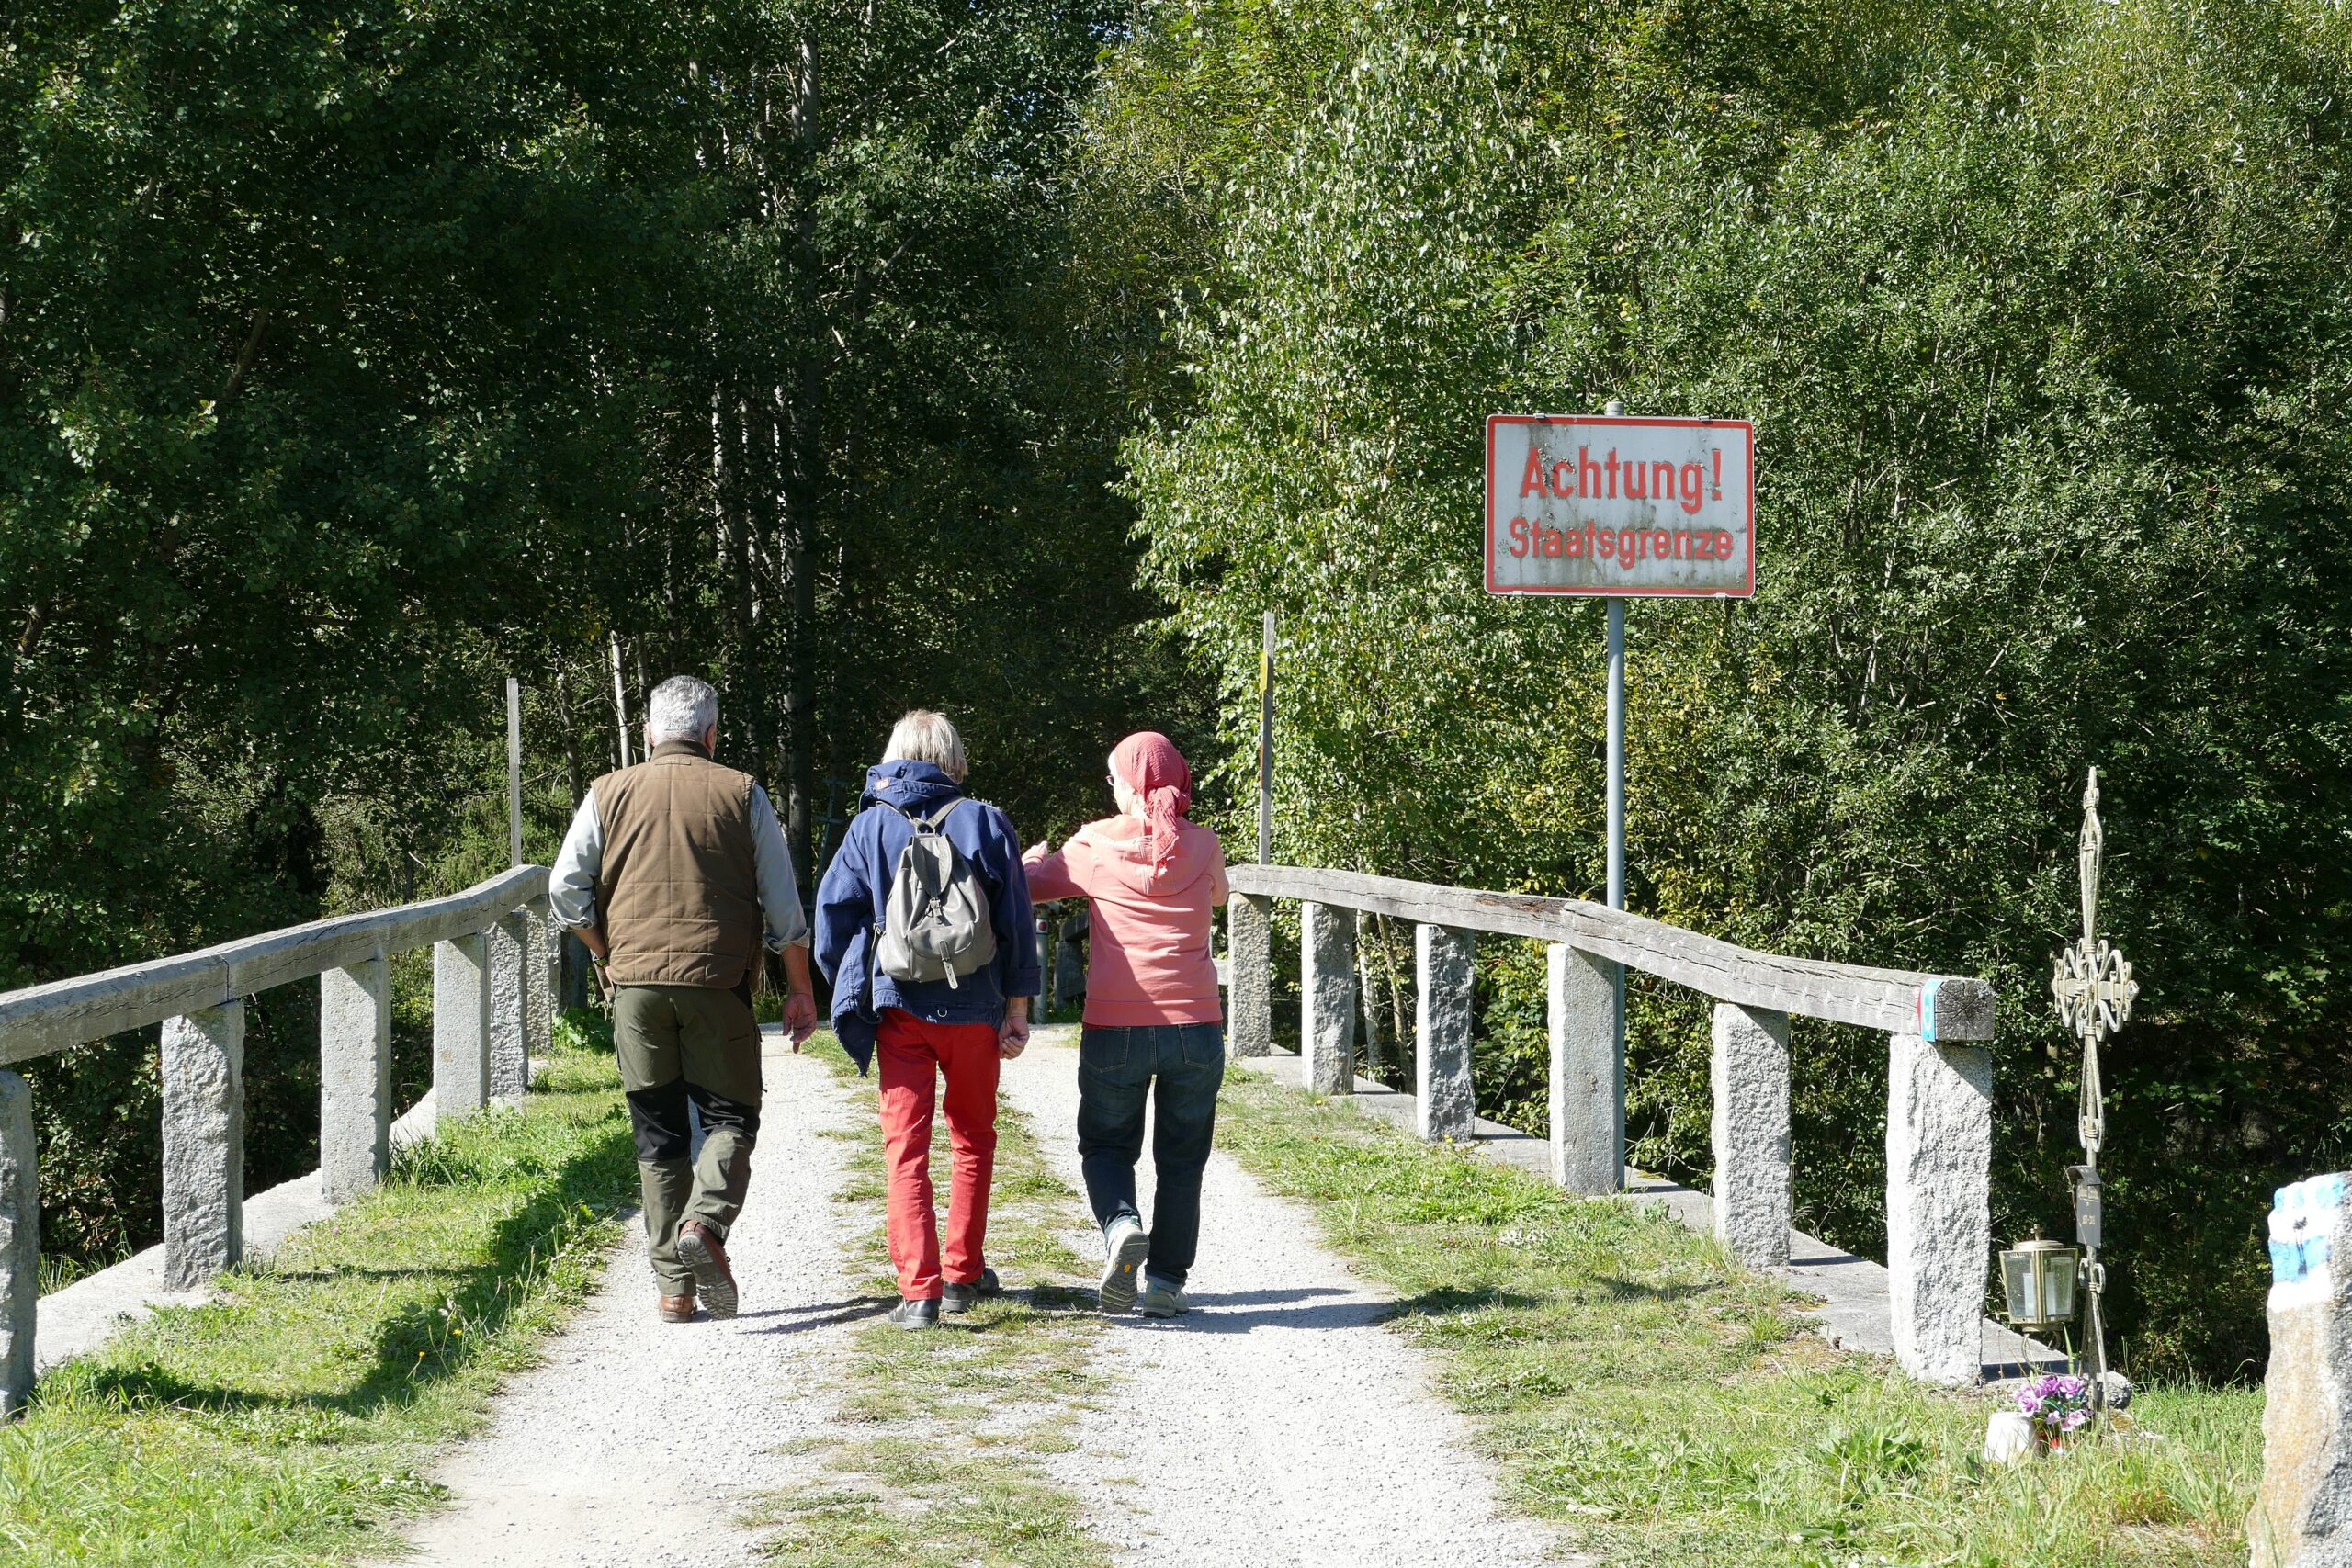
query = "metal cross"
{"x": 2092, "y": 981}
{"x": 2094, "y": 988}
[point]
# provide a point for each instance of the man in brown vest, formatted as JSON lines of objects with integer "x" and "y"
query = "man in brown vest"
{"x": 675, "y": 875}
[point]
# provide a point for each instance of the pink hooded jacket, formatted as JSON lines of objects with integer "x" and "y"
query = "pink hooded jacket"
{"x": 1152, "y": 961}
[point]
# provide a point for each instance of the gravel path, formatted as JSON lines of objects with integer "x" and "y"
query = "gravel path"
{"x": 1278, "y": 1423}
{"x": 636, "y": 1443}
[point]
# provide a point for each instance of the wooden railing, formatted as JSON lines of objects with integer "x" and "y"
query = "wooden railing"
{"x": 1939, "y": 1116}
{"x": 494, "y": 1004}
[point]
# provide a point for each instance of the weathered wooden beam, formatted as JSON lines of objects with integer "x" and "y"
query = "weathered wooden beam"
{"x": 41, "y": 1020}
{"x": 1942, "y": 1007}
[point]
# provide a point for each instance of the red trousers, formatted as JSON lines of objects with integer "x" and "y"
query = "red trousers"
{"x": 914, "y": 1056}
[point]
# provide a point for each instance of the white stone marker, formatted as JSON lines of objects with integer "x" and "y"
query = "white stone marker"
{"x": 1445, "y": 1106}
{"x": 1749, "y": 1075}
{"x": 1327, "y": 998}
{"x": 2302, "y": 1515}
{"x": 355, "y": 1078}
{"x": 1587, "y": 1081}
{"x": 1249, "y": 1010}
{"x": 510, "y": 1050}
{"x": 19, "y": 1244}
{"x": 204, "y": 1144}
{"x": 1938, "y": 1204}
{"x": 461, "y": 1026}
{"x": 539, "y": 978}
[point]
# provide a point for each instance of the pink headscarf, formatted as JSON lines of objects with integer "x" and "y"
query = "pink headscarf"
{"x": 1148, "y": 764}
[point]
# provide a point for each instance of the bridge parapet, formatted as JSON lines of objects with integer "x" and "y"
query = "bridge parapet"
{"x": 1939, "y": 1113}
{"x": 494, "y": 1005}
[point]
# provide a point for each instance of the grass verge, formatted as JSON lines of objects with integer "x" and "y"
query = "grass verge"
{"x": 1671, "y": 1408}
{"x": 957, "y": 1422}
{"x": 287, "y": 1421}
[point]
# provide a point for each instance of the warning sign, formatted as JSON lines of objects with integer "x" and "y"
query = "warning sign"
{"x": 1592, "y": 504}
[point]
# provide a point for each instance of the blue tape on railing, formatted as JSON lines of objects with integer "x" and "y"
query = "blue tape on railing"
{"x": 1927, "y": 1010}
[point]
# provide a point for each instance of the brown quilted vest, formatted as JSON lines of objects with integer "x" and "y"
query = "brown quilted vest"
{"x": 679, "y": 893}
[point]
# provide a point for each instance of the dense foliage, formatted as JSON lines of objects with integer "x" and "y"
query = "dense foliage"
{"x": 2041, "y": 311}
{"x": 351, "y": 362}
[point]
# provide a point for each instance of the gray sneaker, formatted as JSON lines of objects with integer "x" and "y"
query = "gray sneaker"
{"x": 1124, "y": 1244}
{"x": 1160, "y": 1299}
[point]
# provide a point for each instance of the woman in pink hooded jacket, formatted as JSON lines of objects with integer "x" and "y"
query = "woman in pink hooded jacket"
{"x": 1154, "y": 1024}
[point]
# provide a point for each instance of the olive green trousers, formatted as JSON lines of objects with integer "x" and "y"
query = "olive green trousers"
{"x": 688, "y": 1052}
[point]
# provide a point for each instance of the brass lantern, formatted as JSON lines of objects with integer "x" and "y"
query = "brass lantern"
{"x": 2038, "y": 1277}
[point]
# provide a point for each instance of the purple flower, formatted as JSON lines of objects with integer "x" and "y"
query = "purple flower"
{"x": 2076, "y": 1421}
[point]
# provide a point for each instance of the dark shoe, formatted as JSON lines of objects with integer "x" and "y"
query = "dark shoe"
{"x": 678, "y": 1308}
{"x": 700, "y": 1251}
{"x": 962, "y": 1298}
{"x": 923, "y": 1314}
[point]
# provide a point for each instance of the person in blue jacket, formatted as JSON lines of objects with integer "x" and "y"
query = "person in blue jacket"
{"x": 924, "y": 1031}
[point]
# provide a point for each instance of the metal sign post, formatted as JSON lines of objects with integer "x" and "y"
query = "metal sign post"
{"x": 1266, "y": 745}
{"x": 1616, "y": 508}
{"x": 514, "y": 772}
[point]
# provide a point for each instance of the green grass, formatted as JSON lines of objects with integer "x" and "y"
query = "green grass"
{"x": 289, "y": 1420}
{"x": 961, "y": 1419}
{"x": 1671, "y": 1410}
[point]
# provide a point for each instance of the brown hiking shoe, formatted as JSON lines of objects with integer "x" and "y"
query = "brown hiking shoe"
{"x": 700, "y": 1251}
{"x": 678, "y": 1308}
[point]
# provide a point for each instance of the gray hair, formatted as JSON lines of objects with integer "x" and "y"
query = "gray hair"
{"x": 682, "y": 708}
{"x": 927, "y": 736}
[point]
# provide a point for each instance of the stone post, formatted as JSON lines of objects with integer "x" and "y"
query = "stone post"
{"x": 19, "y": 1244}
{"x": 461, "y": 1026}
{"x": 1327, "y": 998}
{"x": 1445, "y": 1105}
{"x": 1249, "y": 1010}
{"x": 1750, "y": 1076}
{"x": 355, "y": 1078}
{"x": 204, "y": 1144}
{"x": 510, "y": 1048}
{"x": 1587, "y": 1081}
{"x": 1938, "y": 1204}
{"x": 2302, "y": 1514}
{"x": 538, "y": 980}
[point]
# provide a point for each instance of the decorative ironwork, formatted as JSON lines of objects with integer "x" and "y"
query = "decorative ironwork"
{"x": 2094, "y": 988}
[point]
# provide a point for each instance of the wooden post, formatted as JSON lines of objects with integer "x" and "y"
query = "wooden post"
{"x": 355, "y": 1078}
{"x": 1266, "y": 744}
{"x": 1749, "y": 1075}
{"x": 1588, "y": 1083}
{"x": 1445, "y": 1104}
{"x": 510, "y": 1052}
{"x": 204, "y": 1144}
{"x": 1249, "y": 928}
{"x": 1938, "y": 1204}
{"x": 20, "y": 1245}
{"x": 461, "y": 1026}
{"x": 1327, "y": 1034}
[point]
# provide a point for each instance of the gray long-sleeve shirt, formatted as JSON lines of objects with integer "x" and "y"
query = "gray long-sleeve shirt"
{"x": 572, "y": 886}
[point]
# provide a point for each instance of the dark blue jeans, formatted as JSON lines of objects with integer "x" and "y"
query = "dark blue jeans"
{"x": 1116, "y": 1070}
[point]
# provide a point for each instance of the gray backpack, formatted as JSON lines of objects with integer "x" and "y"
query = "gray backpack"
{"x": 936, "y": 924}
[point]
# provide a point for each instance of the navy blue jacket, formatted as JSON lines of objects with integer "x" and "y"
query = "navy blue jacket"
{"x": 857, "y": 886}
